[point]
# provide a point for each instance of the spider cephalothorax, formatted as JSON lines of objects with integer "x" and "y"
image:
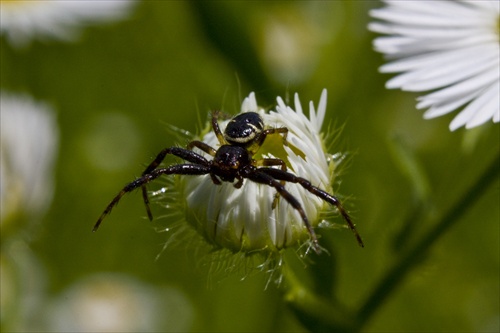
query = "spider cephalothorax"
{"x": 233, "y": 162}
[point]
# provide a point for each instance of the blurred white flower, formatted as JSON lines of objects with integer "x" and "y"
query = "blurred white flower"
{"x": 29, "y": 141}
{"x": 293, "y": 37}
{"x": 22, "y": 21}
{"x": 243, "y": 219}
{"x": 119, "y": 303}
{"x": 450, "y": 48}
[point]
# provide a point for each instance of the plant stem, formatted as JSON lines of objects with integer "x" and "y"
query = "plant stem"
{"x": 414, "y": 256}
{"x": 315, "y": 312}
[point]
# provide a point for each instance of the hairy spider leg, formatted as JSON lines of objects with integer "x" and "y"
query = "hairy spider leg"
{"x": 185, "y": 154}
{"x": 178, "y": 169}
{"x": 207, "y": 149}
{"x": 289, "y": 177}
{"x": 273, "y": 162}
{"x": 264, "y": 178}
{"x": 202, "y": 146}
{"x": 216, "y": 128}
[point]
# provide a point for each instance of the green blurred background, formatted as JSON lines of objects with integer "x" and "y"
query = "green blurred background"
{"x": 117, "y": 87}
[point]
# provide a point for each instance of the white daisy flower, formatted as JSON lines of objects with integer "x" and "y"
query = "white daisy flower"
{"x": 22, "y": 21}
{"x": 450, "y": 48}
{"x": 29, "y": 142}
{"x": 243, "y": 219}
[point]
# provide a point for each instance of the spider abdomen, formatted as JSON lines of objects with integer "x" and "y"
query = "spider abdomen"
{"x": 243, "y": 129}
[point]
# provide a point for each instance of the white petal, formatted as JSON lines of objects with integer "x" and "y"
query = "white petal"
{"x": 487, "y": 6}
{"x": 298, "y": 106}
{"x": 391, "y": 45}
{"x": 425, "y": 19}
{"x": 281, "y": 103}
{"x": 430, "y": 59}
{"x": 249, "y": 103}
{"x": 476, "y": 108}
{"x": 451, "y": 73}
{"x": 321, "y": 110}
{"x": 381, "y": 28}
{"x": 312, "y": 114}
{"x": 490, "y": 106}
{"x": 478, "y": 82}
{"x": 442, "y": 8}
{"x": 439, "y": 109}
{"x": 426, "y": 32}
{"x": 424, "y": 102}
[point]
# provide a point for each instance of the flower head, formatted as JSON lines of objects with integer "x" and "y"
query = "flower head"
{"x": 450, "y": 48}
{"x": 243, "y": 219}
{"x": 22, "y": 20}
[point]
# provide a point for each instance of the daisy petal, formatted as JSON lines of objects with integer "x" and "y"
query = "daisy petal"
{"x": 490, "y": 106}
{"x": 477, "y": 113}
{"x": 479, "y": 81}
{"x": 440, "y": 109}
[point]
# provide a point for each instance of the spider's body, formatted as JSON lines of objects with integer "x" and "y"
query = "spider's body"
{"x": 233, "y": 162}
{"x": 229, "y": 162}
{"x": 244, "y": 129}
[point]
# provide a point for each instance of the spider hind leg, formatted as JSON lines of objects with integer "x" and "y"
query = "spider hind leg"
{"x": 289, "y": 177}
{"x": 273, "y": 162}
{"x": 264, "y": 178}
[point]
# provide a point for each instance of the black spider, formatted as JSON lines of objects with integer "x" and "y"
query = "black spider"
{"x": 243, "y": 136}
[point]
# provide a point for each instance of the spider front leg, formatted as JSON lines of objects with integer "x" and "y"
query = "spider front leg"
{"x": 286, "y": 176}
{"x": 262, "y": 137}
{"x": 207, "y": 149}
{"x": 202, "y": 146}
{"x": 216, "y": 128}
{"x": 179, "y": 169}
{"x": 185, "y": 154}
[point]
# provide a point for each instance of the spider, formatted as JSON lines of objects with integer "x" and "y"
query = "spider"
{"x": 232, "y": 162}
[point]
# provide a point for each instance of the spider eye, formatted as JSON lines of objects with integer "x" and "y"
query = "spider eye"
{"x": 243, "y": 129}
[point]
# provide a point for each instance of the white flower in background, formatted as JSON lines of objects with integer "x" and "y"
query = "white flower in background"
{"x": 118, "y": 303}
{"x": 243, "y": 219}
{"x": 21, "y": 21}
{"x": 29, "y": 142}
{"x": 450, "y": 48}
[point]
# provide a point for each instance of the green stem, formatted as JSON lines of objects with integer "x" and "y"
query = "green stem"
{"x": 316, "y": 313}
{"x": 414, "y": 256}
